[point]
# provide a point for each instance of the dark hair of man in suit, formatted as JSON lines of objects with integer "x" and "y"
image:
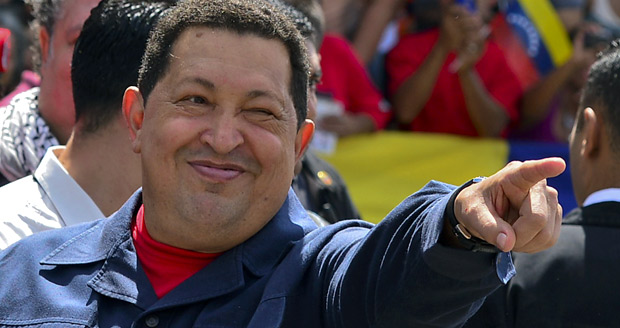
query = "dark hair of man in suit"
{"x": 100, "y": 79}
{"x": 602, "y": 89}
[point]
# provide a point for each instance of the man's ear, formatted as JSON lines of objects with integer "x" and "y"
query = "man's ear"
{"x": 592, "y": 130}
{"x": 133, "y": 111}
{"x": 44, "y": 43}
{"x": 304, "y": 135}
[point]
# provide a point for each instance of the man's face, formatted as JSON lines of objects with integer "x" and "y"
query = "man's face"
{"x": 218, "y": 140}
{"x": 56, "y": 55}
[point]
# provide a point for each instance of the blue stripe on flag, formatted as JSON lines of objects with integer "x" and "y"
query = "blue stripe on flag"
{"x": 525, "y": 29}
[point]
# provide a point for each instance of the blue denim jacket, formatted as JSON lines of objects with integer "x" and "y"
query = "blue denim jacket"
{"x": 290, "y": 274}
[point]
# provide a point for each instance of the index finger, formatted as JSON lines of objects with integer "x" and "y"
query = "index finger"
{"x": 529, "y": 173}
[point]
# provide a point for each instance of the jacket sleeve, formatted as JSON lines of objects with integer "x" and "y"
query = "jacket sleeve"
{"x": 398, "y": 275}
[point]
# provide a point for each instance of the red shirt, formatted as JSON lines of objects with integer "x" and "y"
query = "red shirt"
{"x": 446, "y": 111}
{"x": 346, "y": 80}
{"x": 165, "y": 266}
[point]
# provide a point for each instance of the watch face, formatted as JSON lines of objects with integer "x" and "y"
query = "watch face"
{"x": 462, "y": 231}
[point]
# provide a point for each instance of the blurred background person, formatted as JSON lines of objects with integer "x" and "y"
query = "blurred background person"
{"x": 97, "y": 171}
{"x": 19, "y": 75}
{"x": 43, "y": 116}
{"x": 349, "y": 103}
{"x": 549, "y": 104}
{"x": 318, "y": 185}
{"x": 447, "y": 77}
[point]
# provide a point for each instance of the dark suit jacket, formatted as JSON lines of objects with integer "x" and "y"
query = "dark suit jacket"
{"x": 323, "y": 191}
{"x": 575, "y": 283}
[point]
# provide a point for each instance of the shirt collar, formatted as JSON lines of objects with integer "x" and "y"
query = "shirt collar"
{"x": 73, "y": 204}
{"x": 604, "y": 195}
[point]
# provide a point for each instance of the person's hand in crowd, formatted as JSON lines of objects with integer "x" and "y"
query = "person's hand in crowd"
{"x": 514, "y": 209}
{"x": 578, "y": 55}
{"x": 472, "y": 47}
{"x": 346, "y": 124}
{"x": 452, "y": 35}
{"x": 590, "y": 39}
{"x": 464, "y": 32}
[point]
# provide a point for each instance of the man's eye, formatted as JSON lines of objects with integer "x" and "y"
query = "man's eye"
{"x": 261, "y": 111}
{"x": 196, "y": 100}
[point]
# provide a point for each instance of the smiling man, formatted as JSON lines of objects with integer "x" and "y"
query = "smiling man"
{"x": 221, "y": 138}
{"x": 217, "y": 238}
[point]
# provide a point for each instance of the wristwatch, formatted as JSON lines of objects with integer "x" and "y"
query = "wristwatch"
{"x": 465, "y": 238}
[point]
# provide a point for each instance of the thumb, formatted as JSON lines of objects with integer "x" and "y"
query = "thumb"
{"x": 478, "y": 214}
{"x": 525, "y": 175}
{"x": 494, "y": 230}
{"x": 504, "y": 236}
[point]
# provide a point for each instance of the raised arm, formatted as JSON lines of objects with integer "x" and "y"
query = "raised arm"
{"x": 405, "y": 272}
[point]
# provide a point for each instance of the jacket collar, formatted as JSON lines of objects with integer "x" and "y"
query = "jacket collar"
{"x": 259, "y": 255}
{"x": 120, "y": 277}
{"x": 264, "y": 250}
{"x": 599, "y": 214}
{"x": 96, "y": 243}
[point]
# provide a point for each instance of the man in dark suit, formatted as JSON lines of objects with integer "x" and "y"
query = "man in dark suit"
{"x": 575, "y": 284}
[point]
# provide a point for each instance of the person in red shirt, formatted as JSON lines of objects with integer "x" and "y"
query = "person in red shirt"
{"x": 346, "y": 81}
{"x": 451, "y": 79}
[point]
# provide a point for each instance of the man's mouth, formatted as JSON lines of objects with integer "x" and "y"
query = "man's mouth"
{"x": 217, "y": 172}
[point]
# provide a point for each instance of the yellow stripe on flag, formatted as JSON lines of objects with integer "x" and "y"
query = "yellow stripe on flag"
{"x": 550, "y": 27}
{"x": 383, "y": 168}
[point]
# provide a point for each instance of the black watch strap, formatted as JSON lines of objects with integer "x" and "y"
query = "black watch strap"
{"x": 464, "y": 237}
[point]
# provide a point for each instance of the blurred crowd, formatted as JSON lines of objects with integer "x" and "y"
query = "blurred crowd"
{"x": 17, "y": 60}
{"x": 459, "y": 67}
{"x": 439, "y": 66}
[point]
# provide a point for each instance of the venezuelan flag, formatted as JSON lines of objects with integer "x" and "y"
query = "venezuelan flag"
{"x": 383, "y": 168}
{"x": 538, "y": 26}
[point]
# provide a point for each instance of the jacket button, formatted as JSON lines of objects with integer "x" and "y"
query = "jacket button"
{"x": 152, "y": 321}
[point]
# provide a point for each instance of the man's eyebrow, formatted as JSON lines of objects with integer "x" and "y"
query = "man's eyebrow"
{"x": 264, "y": 93}
{"x": 198, "y": 80}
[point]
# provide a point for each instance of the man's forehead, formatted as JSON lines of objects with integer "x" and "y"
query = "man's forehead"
{"x": 203, "y": 50}
{"x": 217, "y": 40}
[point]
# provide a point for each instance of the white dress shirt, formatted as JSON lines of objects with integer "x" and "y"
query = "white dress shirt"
{"x": 603, "y": 195}
{"x": 48, "y": 199}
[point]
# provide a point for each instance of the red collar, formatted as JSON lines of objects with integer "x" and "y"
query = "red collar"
{"x": 165, "y": 266}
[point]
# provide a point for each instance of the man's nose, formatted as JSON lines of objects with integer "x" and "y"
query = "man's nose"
{"x": 222, "y": 133}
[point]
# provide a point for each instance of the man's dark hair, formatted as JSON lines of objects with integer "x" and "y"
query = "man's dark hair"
{"x": 44, "y": 14}
{"x": 107, "y": 57}
{"x": 602, "y": 89}
{"x": 243, "y": 17}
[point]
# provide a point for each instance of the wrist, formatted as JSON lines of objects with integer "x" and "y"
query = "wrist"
{"x": 442, "y": 48}
{"x": 462, "y": 237}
